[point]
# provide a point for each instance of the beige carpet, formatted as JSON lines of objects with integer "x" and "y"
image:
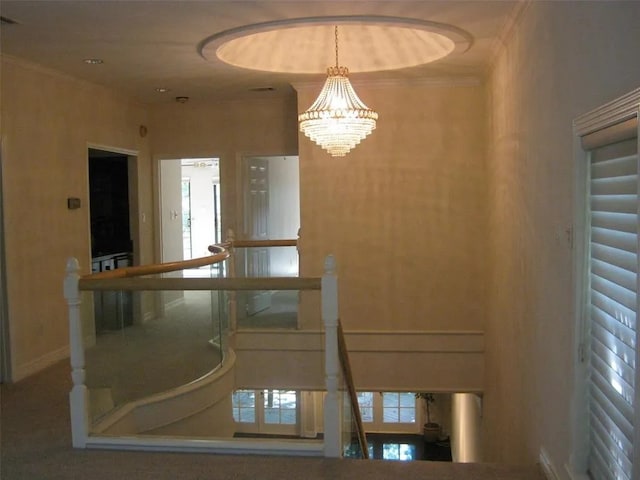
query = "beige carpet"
{"x": 35, "y": 444}
{"x": 161, "y": 354}
{"x": 282, "y": 313}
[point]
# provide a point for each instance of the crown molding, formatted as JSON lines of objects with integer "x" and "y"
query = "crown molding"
{"x": 615, "y": 111}
{"x": 508, "y": 27}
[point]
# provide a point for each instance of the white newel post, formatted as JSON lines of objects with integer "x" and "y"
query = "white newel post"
{"x": 231, "y": 237}
{"x": 78, "y": 397}
{"x": 332, "y": 421}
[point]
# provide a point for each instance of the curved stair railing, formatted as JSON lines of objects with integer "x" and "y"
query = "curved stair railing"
{"x": 137, "y": 278}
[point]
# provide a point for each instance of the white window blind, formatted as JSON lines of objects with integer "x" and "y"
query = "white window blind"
{"x": 613, "y": 297}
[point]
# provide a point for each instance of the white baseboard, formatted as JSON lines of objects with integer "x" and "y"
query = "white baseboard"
{"x": 547, "y": 465}
{"x": 174, "y": 303}
{"x": 573, "y": 475}
{"x": 26, "y": 369}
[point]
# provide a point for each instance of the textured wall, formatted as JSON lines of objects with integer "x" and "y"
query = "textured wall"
{"x": 47, "y": 122}
{"x": 405, "y": 212}
{"x": 229, "y": 131}
{"x": 561, "y": 60}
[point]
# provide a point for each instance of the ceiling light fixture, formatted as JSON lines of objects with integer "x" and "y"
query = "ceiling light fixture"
{"x": 338, "y": 120}
{"x": 93, "y": 61}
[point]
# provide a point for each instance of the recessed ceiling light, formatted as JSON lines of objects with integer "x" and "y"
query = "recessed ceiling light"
{"x": 162, "y": 90}
{"x": 93, "y": 61}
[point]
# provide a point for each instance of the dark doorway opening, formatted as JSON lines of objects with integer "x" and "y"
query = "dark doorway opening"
{"x": 111, "y": 243}
{"x": 109, "y": 200}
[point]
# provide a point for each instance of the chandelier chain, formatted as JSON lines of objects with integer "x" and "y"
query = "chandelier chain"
{"x": 336, "y": 36}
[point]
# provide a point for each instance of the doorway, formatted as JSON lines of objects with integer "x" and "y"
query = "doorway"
{"x": 190, "y": 207}
{"x": 112, "y": 247}
{"x": 271, "y": 198}
{"x": 266, "y": 411}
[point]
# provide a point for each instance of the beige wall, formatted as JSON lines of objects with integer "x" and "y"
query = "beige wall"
{"x": 561, "y": 60}
{"x": 47, "y": 122}
{"x": 227, "y": 130}
{"x": 405, "y": 212}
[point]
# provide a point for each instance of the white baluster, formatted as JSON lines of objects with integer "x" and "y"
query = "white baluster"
{"x": 78, "y": 397}
{"x": 332, "y": 420}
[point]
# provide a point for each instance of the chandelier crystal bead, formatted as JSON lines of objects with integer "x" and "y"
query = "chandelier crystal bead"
{"x": 338, "y": 120}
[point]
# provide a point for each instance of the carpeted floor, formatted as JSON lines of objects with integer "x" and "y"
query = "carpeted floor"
{"x": 35, "y": 444}
{"x": 282, "y": 313}
{"x": 178, "y": 343}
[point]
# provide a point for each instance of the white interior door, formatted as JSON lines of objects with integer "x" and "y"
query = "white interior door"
{"x": 257, "y": 260}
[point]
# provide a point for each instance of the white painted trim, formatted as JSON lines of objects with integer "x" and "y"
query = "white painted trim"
{"x": 547, "y": 465}
{"x": 227, "y": 365}
{"x": 174, "y": 303}
{"x": 279, "y": 340}
{"x": 513, "y": 18}
{"x": 418, "y": 342}
{"x": 240, "y": 446}
{"x": 610, "y": 113}
{"x": 364, "y": 341}
{"x": 26, "y": 369}
{"x": 110, "y": 149}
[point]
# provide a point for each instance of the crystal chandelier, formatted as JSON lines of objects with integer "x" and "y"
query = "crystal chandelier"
{"x": 338, "y": 120}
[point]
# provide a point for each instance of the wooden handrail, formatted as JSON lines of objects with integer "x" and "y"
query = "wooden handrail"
{"x": 220, "y": 251}
{"x": 140, "y": 270}
{"x": 351, "y": 388}
{"x": 254, "y": 243}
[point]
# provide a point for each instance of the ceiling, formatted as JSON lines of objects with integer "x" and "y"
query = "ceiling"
{"x": 146, "y": 45}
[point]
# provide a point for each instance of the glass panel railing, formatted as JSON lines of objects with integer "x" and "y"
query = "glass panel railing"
{"x": 267, "y": 309}
{"x": 153, "y": 341}
{"x": 139, "y": 352}
{"x": 350, "y": 443}
{"x": 266, "y": 262}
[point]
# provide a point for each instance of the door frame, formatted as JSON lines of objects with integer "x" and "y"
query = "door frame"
{"x": 135, "y": 218}
{"x": 5, "y": 344}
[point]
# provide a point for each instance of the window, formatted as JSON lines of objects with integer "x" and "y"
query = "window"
{"x": 398, "y": 407}
{"x": 266, "y": 411}
{"x": 280, "y": 406}
{"x": 611, "y": 304}
{"x": 244, "y": 406}
{"x": 365, "y": 402}
{"x": 389, "y": 411}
